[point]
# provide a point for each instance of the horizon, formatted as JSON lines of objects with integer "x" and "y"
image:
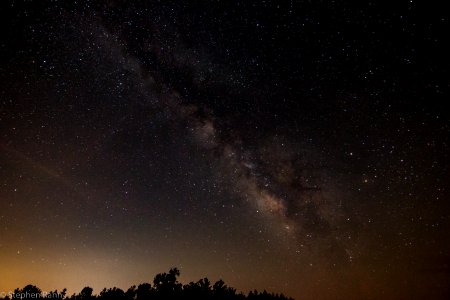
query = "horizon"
{"x": 162, "y": 283}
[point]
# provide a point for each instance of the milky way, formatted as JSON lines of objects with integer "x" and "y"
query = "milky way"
{"x": 283, "y": 182}
{"x": 298, "y": 148}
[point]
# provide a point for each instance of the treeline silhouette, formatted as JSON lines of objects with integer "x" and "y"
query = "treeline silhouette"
{"x": 165, "y": 286}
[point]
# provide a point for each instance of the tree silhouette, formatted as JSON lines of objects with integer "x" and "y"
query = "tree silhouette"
{"x": 165, "y": 286}
{"x": 130, "y": 294}
{"x": 144, "y": 291}
{"x": 221, "y": 291}
{"x": 28, "y": 292}
{"x": 85, "y": 294}
{"x": 112, "y": 294}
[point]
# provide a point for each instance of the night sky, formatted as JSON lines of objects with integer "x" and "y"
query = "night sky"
{"x": 295, "y": 146}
